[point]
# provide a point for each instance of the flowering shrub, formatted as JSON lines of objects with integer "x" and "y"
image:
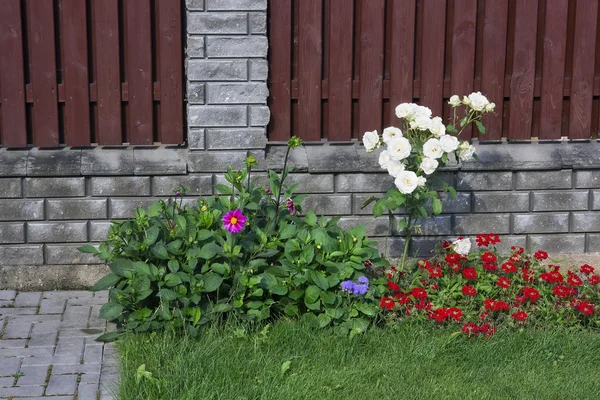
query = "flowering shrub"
{"x": 415, "y": 151}
{"x": 481, "y": 290}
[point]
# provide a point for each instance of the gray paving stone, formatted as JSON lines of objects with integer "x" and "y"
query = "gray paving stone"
{"x": 61, "y": 384}
{"x": 28, "y": 352}
{"x": 28, "y": 299}
{"x": 8, "y": 294}
{"x": 47, "y": 326}
{"x": 69, "y": 346}
{"x": 12, "y": 343}
{"x": 43, "y": 339}
{"x": 9, "y": 366}
{"x": 68, "y": 294}
{"x": 17, "y": 311}
{"x": 87, "y": 390}
{"x": 33, "y": 375}
{"x": 89, "y": 379}
{"x": 17, "y": 330}
{"x": 52, "y": 306}
{"x": 7, "y": 381}
{"x": 51, "y": 360}
{"x": 93, "y": 353}
{"x": 76, "y": 369}
{"x": 22, "y": 391}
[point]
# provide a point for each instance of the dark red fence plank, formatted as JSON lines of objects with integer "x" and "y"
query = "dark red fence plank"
{"x": 139, "y": 71}
{"x": 280, "y": 68}
{"x": 580, "y": 119}
{"x": 523, "y": 73}
{"x": 402, "y": 54}
{"x": 372, "y": 36}
{"x": 463, "y": 51}
{"x": 75, "y": 54}
{"x": 108, "y": 76}
{"x": 40, "y": 20}
{"x": 12, "y": 83}
{"x": 553, "y": 69}
{"x": 341, "y": 26}
{"x": 309, "y": 69}
{"x": 171, "y": 72}
{"x": 432, "y": 55}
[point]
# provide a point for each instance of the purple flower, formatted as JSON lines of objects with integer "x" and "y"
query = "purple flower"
{"x": 290, "y": 206}
{"x": 360, "y": 290}
{"x": 347, "y": 286}
{"x": 177, "y": 193}
{"x": 234, "y": 221}
{"x": 267, "y": 191}
{"x": 363, "y": 280}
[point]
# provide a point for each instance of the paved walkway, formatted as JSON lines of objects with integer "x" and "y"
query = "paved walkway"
{"x": 47, "y": 347}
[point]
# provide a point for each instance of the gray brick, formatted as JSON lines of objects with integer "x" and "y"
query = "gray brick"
{"x": 13, "y": 162}
{"x": 215, "y": 161}
{"x": 17, "y": 330}
{"x": 593, "y": 245}
{"x": 540, "y": 223}
{"x": 194, "y": 4}
{"x": 437, "y": 225}
{"x": 198, "y": 184}
{"x": 217, "y": 70}
{"x": 99, "y": 230}
{"x": 61, "y": 384}
{"x": 66, "y": 161}
{"x": 392, "y": 247}
{"x": 22, "y": 391}
{"x": 236, "y": 46}
{"x": 297, "y": 160}
{"x": 56, "y": 232}
{"x": 194, "y": 47}
{"x": 258, "y": 23}
{"x": 311, "y": 183}
{"x": 204, "y": 116}
{"x": 359, "y": 199}
{"x": 196, "y": 139}
{"x": 328, "y": 205}
{"x": 217, "y": 23}
{"x": 54, "y": 187}
{"x": 236, "y": 5}
{"x": 587, "y": 179}
{"x": 568, "y": 244}
{"x": 586, "y": 222}
{"x": 21, "y": 255}
{"x": 10, "y": 188}
{"x": 259, "y": 70}
{"x": 29, "y": 210}
{"x": 501, "y": 202}
{"x": 87, "y": 390}
{"x": 460, "y": 204}
{"x": 544, "y": 179}
{"x": 501, "y": 180}
{"x": 251, "y": 138}
{"x": 237, "y": 93}
{"x": 346, "y": 183}
{"x": 560, "y": 200}
{"x": 595, "y": 199}
{"x": 8, "y": 294}
{"x": 33, "y": 375}
{"x": 28, "y": 299}
{"x": 9, "y": 366}
{"x": 125, "y": 208}
{"x": 259, "y": 115}
{"x": 120, "y": 186}
{"x": 103, "y": 161}
{"x": 481, "y": 223}
{"x": 67, "y": 255}
{"x": 195, "y": 93}
{"x": 159, "y": 161}
{"x": 422, "y": 246}
{"x": 50, "y": 306}
{"x": 12, "y": 233}
{"x": 77, "y": 209}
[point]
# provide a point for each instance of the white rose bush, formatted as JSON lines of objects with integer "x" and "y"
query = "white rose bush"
{"x": 413, "y": 153}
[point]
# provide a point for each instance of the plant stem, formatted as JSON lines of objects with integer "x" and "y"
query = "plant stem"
{"x": 406, "y": 242}
{"x": 283, "y": 174}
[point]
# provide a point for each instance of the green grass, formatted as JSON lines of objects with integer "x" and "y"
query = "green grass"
{"x": 402, "y": 363}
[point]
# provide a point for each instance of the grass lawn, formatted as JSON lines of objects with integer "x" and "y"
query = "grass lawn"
{"x": 400, "y": 363}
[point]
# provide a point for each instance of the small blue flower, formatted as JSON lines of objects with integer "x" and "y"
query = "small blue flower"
{"x": 363, "y": 280}
{"x": 348, "y": 286}
{"x": 360, "y": 290}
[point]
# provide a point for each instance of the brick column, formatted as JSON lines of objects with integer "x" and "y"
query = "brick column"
{"x": 226, "y": 82}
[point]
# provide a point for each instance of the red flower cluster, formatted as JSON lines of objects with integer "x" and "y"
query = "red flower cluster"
{"x": 486, "y": 240}
{"x": 469, "y": 273}
{"x": 495, "y": 305}
{"x": 469, "y": 291}
{"x": 470, "y": 329}
{"x": 503, "y": 282}
{"x": 540, "y": 255}
{"x": 442, "y": 314}
{"x": 586, "y": 269}
{"x": 585, "y": 307}
{"x": 520, "y": 316}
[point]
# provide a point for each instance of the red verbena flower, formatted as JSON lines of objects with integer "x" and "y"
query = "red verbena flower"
{"x": 234, "y": 221}
{"x": 469, "y": 273}
{"x": 490, "y": 267}
{"x": 493, "y": 238}
{"x": 393, "y": 286}
{"x": 386, "y": 302}
{"x": 482, "y": 240}
{"x": 586, "y": 269}
{"x": 585, "y": 307}
{"x": 424, "y": 264}
{"x": 455, "y": 313}
{"x": 517, "y": 249}
{"x": 453, "y": 259}
{"x": 435, "y": 286}
{"x": 563, "y": 291}
{"x": 495, "y": 305}
{"x": 434, "y": 272}
{"x": 470, "y": 328}
{"x": 540, "y": 255}
{"x": 403, "y": 298}
{"x": 488, "y": 257}
{"x": 531, "y": 294}
{"x": 520, "y": 315}
{"x": 503, "y": 282}
{"x": 594, "y": 279}
{"x": 469, "y": 291}
{"x": 509, "y": 268}
{"x": 574, "y": 280}
{"x": 419, "y": 293}
{"x": 424, "y": 305}
{"x": 527, "y": 275}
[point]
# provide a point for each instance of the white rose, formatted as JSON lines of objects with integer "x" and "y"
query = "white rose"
{"x": 395, "y": 167}
{"x": 437, "y": 127}
{"x": 489, "y": 107}
{"x": 405, "y": 110}
{"x": 406, "y": 182}
{"x": 422, "y": 111}
{"x": 384, "y": 159}
{"x": 462, "y": 246}
{"x": 391, "y": 133}
{"x": 399, "y": 148}
{"x": 421, "y": 122}
{"x": 454, "y": 101}
{"x": 466, "y": 151}
{"x": 428, "y": 165}
{"x": 432, "y": 148}
{"x": 449, "y": 143}
{"x": 421, "y": 181}
{"x": 477, "y": 101}
{"x": 371, "y": 140}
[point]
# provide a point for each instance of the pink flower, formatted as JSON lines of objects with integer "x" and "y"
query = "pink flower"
{"x": 290, "y": 206}
{"x": 234, "y": 221}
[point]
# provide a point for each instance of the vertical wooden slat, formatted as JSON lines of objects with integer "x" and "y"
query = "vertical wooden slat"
{"x": 432, "y": 55}
{"x": 463, "y": 51}
{"x": 74, "y": 47}
{"x": 171, "y": 73}
{"x": 372, "y": 36}
{"x": 340, "y": 70}
{"x": 403, "y": 53}
{"x": 12, "y": 82}
{"x": 139, "y": 72}
{"x": 280, "y": 68}
{"x": 309, "y": 69}
{"x": 108, "y": 76}
{"x": 521, "y": 91}
{"x": 580, "y": 119}
{"x": 553, "y": 69}
{"x": 43, "y": 72}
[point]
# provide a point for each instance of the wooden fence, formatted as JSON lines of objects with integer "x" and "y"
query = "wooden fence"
{"x": 79, "y": 72}
{"x": 339, "y": 67}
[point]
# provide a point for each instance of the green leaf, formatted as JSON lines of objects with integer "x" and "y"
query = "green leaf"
{"x": 451, "y": 128}
{"x": 436, "y": 206}
{"x": 367, "y": 309}
{"x": 212, "y": 282}
{"x": 296, "y": 294}
{"x": 142, "y": 268}
{"x": 203, "y": 234}
{"x": 120, "y": 265}
{"x": 172, "y": 280}
{"x": 324, "y": 320}
{"x": 160, "y": 251}
{"x": 87, "y": 248}
{"x": 141, "y": 283}
{"x": 108, "y": 337}
{"x": 367, "y": 202}
{"x": 110, "y": 311}
{"x": 402, "y": 223}
{"x": 480, "y": 127}
{"x": 151, "y": 235}
{"x": 379, "y": 208}
{"x": 173, "y": 265}
{"x": 223, "y": 189}
{"x": 422, "y": 211}
{"x": 288, "y": 231}
{"x": 106, "y": 282}
{"x": 155, "y": 209}
{"x": 167, "y": 294}
{"x": 208, "y": 251}
{"x": 291, "y": 310}
{"x": 310, "y": 218}
{"x": 285, "y": 367}
{"x": 319, "y": 279}
{"x": 312, "y": 293}
{"x": 452, "y": 191}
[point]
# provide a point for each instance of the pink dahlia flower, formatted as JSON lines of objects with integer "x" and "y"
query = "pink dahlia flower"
{"x": 234, "y": 221}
